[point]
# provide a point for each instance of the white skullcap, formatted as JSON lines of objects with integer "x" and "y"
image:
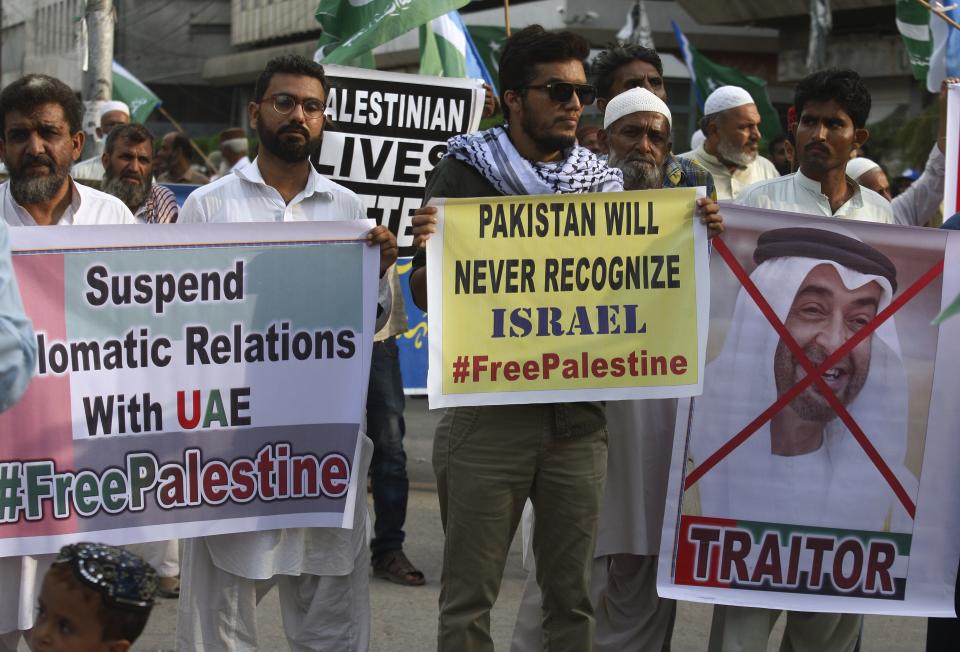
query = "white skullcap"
{"x": 634, "y": 100}
{"x": 113, "y": 105}
{"x": 857, "y": 167}
{"x": 725, "y": 98}
{"x": 696, "y": 139}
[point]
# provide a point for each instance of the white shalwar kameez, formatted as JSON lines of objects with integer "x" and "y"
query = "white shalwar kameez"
{"x": 802, "y": 485}
{"x": 20, "y": 577}
{"x": 322, "y": 573}
{"x": 731, "y": 184}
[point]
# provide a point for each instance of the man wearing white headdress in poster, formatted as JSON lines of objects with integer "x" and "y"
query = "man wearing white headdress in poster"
{"x": 805, "y": 467}
{"x": 730, "y": 151}
{"x": 802, "y": 447}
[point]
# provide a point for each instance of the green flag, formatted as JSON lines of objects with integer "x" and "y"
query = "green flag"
{"x": 709, "y": 76}
{"x": 489, "y": 41}
{"x": 134, "y": 92}
{"x": 913, "y": 23}
{"x": 353, "y": 28}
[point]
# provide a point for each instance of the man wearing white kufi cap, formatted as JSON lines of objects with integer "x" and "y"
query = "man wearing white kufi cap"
{"x": 731, "y": 124}
{"x": 112, "y": 113}
{"x": 629, "y": 614}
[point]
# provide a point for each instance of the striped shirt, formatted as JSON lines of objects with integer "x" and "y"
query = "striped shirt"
{"x": 159, "y": 208}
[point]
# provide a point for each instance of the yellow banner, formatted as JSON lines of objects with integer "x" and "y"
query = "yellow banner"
{"x": 566, "y": 298}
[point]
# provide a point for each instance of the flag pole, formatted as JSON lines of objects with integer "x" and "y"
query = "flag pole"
{"x": 506, "y": 15}
{"x": 939, "y": 12}
{"x": 177, "y": 126}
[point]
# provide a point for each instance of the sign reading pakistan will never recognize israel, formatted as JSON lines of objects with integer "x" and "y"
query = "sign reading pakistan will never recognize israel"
{"x": 561, "y": 298}
{"x": 191, "y": 381}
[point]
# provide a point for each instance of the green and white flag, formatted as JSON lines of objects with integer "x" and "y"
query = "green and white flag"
{"x": 913, "y": 23}
{"x": 134, "y": 92}
{"x": 489, "y": 41}
{"x": 353, "y": 28}
{"x": 709, "y": 76}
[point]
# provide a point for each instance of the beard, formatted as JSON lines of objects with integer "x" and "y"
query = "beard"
{"x": 735, "y": 155}
{"x": 131, "y": 194}
{"x": 639, "y": 172}
{"x": 545, "y": 140}
{"x": 30, "y": 189}
{"x": 290, "y": 151}
{"x": 810, "y": 405}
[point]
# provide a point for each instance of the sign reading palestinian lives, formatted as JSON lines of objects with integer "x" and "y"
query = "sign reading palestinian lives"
{"x": 386, "y": 131}
{"x": 817, "y": 471}
{"x": 567, "y": 298}
{"x": 190, "y": 381}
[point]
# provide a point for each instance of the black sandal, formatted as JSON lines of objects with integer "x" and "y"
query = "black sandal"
{"x": 395, "y": 567}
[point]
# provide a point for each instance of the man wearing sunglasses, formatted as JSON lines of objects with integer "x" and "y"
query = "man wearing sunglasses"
{"x": 630, "y": 615}
{"x": 322, "y": 573}
{"x": 489, "y": 460}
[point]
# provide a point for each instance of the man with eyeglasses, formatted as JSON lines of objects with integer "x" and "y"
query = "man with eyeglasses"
{"x": 489, "y": 460}
{"x": 322, "y": 573}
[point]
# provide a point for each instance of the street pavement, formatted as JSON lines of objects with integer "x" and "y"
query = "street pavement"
{"x": 404, "y": 618}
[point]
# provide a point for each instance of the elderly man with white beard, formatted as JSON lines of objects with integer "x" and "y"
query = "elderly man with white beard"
{"x": 630, "y": 615}
{"x": 731, "y": 124}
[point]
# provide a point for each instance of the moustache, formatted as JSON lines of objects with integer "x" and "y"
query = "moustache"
{"x": 816, "y": 354}
{"x": 294, "y": 129}
{"x": 43, "y": 159}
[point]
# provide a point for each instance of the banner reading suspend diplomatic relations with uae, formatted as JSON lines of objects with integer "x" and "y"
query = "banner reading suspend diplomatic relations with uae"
{"x": 190, "y": 381}
{"x": 567, "y": 298}
{"x": 817, "y": 471}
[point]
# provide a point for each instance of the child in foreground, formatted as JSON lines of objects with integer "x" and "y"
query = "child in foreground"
{"x": 94, "y": 598}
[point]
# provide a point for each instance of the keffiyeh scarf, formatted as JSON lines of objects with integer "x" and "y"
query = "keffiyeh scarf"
{"x": 492, "y": 154}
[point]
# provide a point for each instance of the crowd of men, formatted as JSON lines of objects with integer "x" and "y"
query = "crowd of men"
{"x": 595, "y": 520}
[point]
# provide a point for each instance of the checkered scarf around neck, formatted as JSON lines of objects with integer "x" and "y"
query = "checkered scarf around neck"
{"x": 493, "y": 155}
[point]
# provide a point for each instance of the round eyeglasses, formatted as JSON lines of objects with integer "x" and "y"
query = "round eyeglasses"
{"x": 285, "y": 104}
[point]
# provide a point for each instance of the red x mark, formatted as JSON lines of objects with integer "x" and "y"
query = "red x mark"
{"x": 814, "y": 375}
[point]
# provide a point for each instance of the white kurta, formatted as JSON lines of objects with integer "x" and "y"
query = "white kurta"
{"x": 20, "y": 577}
{"x": 245, "y": 197}
{"x": 87, "y": 206}
{"x": 918, "y": 203}
{"x": 730, "y": 184}
{"x": 90, "y": 169}
{"x": 798, "y": 193}
{"x": 640, "y": 441}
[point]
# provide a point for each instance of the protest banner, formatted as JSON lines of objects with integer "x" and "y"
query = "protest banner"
{"x": 413, "y": 343}
{"x": 386, "y": 131}
{"x": 817, "y": 471}
{"x": 567, "y": 298}
{"x": 192, "y": 381}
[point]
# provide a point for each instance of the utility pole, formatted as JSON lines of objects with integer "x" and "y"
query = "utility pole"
{"x": 98, "y": 78}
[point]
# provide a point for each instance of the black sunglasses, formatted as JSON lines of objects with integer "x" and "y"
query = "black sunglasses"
{"x": 563, "y": 91}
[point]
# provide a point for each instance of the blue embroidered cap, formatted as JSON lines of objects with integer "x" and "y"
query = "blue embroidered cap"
{"x": 123, "y": 579}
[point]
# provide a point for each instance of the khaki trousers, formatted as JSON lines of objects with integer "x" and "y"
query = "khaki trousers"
{"x": 488, "y": 461}
{"x": 746, "y": 629}
{"x": 630, "y": 616}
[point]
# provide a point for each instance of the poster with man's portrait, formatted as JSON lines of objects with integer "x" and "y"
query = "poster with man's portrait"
{"x": 814, "y": 472}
